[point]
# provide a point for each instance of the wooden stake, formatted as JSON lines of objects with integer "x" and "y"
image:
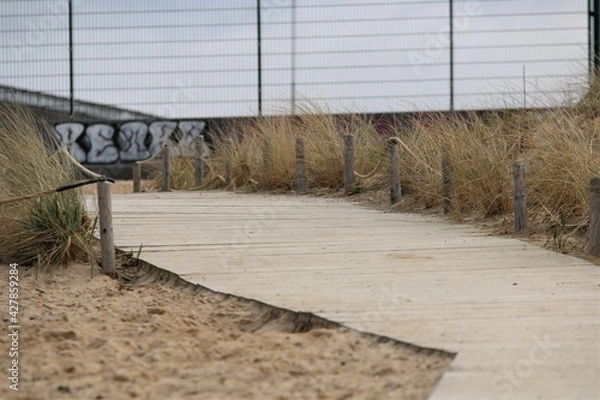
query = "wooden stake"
{"x": 349, "y": 163}
{"x": 594, "y": 228}
{"x": 300, "y": 166}
{"x": 229, "y": 163}
{"x": 107, "y": 245}
{"x": 395, "y": 189}
{"x": 137, "y": 177}
{"x": 267, "y": 164}
{"x": 198, "y": 162}
{"x": 447, "y": 192}
{"x": 166, "y": 170}
{"x": 519, "y": 198}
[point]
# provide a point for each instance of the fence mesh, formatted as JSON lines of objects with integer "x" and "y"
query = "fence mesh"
{"x": 199, "y": 59}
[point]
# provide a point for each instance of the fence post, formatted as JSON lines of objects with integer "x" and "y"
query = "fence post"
{"x": 348, "y": 163}
{"x": 229, "y": 163}
{"x": 519, "y": 197}
{"x": 300, "y": 166}
{"x": 594, "y": 228}
{"x": 267, "y": 164}
{"x": 198, "y": 160}
{"x": 166, "y": 170}
{"x": 137, "y": 177}
{"x": 395, "y": 189}
{"x": 447, "y": 192}
{"x": 107, "y": 246}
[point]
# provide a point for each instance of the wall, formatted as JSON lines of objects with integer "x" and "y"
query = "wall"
{"x": 126, "y": 141}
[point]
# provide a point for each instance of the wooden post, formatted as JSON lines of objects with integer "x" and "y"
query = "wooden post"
{"x": 137, "y": 177}
{"x": 349, "y": 163}
{"x": 198, "y": 160}
{"x": 267, "y": 164}
{"x": 300, "y": 166}
{"x": 107, "y": 246}
{"x": 395, "y": 190}
{"x": 166, "y": 170}
{"x": 594, "y": 228}
{"x": 447, "y": 192}
{"x": 229, "y": 163}
{"x": 519, "y": 198}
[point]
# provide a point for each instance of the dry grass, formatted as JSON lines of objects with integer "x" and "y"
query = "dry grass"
{"x": 46, "y": 230}
{"x": 264, "y": 156}
{"x": 560, "y": 149}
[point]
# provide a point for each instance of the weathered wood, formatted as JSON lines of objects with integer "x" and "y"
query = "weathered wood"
{"x": 301, "y": 166}
{"x": 137, "y": 177}
{"x": 504, "y": 305}
{"x": 447, "y": 184}
{"x": 519, "y": 197}
{"x": 348, "y": 141}
{"x": 198, "y": 160}
{"x": 166, "y": 169}
{"x": 395, "y": 189}
{"x": 267, "y": 164}
{"x": 107, "y": 246}
{"x": 229, "y": 151}
{"x": 594, "y": 229}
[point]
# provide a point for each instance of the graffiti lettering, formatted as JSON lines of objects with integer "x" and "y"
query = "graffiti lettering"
{"x": 126, "y": 142}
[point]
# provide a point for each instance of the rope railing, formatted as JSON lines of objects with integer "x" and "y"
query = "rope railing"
{"x": 77, "y": 165}
{"x": 445, "y": 172}
{"x": 164, "y": 154}
{"x": 104, "y": 208}
{"x": 107, "y": 246}
{"x": 59, "y": 189}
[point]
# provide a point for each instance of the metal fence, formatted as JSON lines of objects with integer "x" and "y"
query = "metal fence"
{"x": 201, "y": 59}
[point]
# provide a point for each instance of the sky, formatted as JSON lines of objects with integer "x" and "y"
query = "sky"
{"x": 190, "y": 59}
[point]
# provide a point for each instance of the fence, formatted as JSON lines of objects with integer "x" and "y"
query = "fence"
{"x": 182, "y": 59}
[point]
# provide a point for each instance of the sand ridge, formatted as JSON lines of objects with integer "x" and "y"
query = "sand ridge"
{"x": 155, "y": 337}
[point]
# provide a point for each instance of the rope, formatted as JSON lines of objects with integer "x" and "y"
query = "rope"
{"x": 101, "y": 178}
{"x": 397, "y": 140}
{"x": 151, "y": 158}
{"x": 370, "y": 174}
{"x": 80, "y": 167}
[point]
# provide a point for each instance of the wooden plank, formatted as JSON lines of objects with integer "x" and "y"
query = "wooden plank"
{"x": 415, "y": 278}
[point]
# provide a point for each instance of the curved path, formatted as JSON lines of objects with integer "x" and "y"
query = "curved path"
{"x": 524, "y": 321}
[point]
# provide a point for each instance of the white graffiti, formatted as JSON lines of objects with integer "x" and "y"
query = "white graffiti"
{"x": 126, "y": 142}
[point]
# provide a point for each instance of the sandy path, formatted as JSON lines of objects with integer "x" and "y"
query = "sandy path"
{"x": 95, "y": 338}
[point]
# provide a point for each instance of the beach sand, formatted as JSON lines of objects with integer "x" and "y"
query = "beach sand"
{"x": 86, "y": 336}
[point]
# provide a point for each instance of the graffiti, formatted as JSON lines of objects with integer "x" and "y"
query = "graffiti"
{"x": 126, "y": 142}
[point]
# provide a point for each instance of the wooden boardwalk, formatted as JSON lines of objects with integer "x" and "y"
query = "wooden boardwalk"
{"x": 524, "y": 321}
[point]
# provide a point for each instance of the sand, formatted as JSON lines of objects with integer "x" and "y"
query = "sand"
{"x": 159, "y": 337}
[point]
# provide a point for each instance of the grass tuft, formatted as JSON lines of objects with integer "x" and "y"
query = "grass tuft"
{"x": 48, "y": 230}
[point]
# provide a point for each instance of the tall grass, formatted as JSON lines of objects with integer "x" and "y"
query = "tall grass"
{"x": 46, "y": 230}
{"x": 264, "y": 153}
{"x": 560, "y": 149}
{"x": 480, "y": 150}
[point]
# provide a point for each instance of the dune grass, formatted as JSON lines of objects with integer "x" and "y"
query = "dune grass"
{"x": 262, "y": 153}
{"x": 560, "y": 149}
{"x": 46, "y": 230}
